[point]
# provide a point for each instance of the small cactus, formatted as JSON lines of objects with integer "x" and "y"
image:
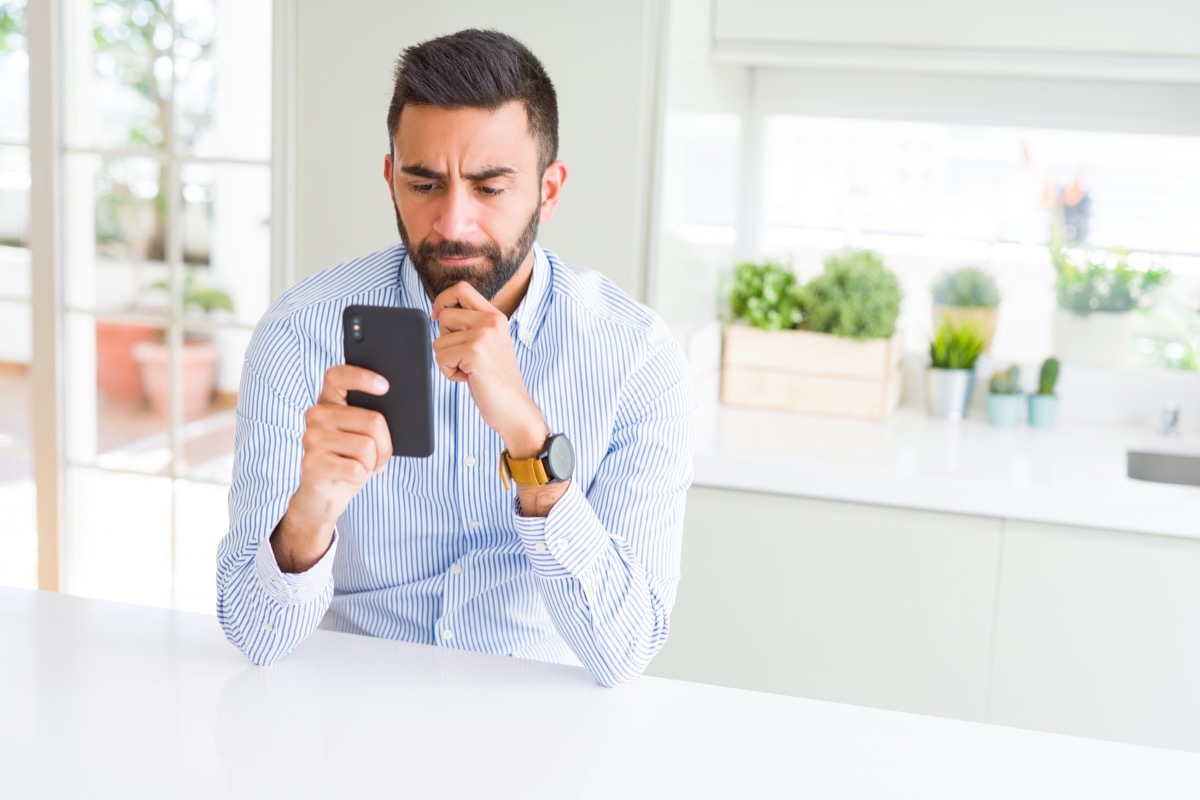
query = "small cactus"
{"x": 1006, "y": 381}
{"x": 1049, "y": 376}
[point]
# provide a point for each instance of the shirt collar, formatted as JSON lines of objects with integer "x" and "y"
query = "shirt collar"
{"x": 525, "y": 321}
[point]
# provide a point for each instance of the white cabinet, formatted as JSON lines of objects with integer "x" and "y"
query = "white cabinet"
{"x": 1072, "y": 630}
{"x": 1153, "y": 27}
{"x": 1098, "y": 634}
{"x": 1109, "y": 39}
{"x": 836, "y": 601}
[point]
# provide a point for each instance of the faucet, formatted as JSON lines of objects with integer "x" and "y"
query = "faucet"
{"x": 1170, "y": 420}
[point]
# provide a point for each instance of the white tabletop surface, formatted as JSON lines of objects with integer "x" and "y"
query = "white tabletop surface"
{"x": 1070, "y": 474}
{"x": 102, "y": 700}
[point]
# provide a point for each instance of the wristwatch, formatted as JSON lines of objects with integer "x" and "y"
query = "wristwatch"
{"x": 555, "y": 463}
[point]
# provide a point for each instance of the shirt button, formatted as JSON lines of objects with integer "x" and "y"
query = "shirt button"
{"x": 540, "y": 547}
{"x": 455, "y": 569}
{"x": 268, "y": 627}
{"x": 280, "y": 585}
{"x": 474, "y": 523}
{"x": 447, "y": 634}
{"x": 560, "y": 545}
{"x": 469, "y": 461}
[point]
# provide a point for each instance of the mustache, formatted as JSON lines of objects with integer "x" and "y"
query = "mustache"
{"x": 453, "y": 249}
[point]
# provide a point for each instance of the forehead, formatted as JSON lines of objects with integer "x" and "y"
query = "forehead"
{"x": 431, "y": 135}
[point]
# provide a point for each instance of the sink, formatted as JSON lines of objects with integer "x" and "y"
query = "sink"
{"x": 1146, "y": 465}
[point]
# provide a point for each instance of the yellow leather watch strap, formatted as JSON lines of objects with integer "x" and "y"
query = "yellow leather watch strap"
{"x": 529, "y": 471}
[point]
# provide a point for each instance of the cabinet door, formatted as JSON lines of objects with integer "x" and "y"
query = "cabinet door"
{"x": 1110, "y": 27}
{"x": 835, "y": 601}
{"x": 1098, "y": 634}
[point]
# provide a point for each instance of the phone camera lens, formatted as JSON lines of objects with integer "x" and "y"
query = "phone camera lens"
{"x": 356, "y": 329}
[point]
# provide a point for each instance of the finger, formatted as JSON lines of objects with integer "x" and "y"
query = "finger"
{"x": 331, "y": 468}
{"x": 343, "y": 378}
{"x": 463, "y": 295}
{"x": 356, "y": 446}
{"x": 352, "y": 420}
{"x": 459, "y": 319}
{"x": 457, "y": 361}
{"x": 347, "y": 419}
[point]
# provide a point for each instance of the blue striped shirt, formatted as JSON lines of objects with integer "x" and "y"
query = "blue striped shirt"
{"x": 434, "y": 550}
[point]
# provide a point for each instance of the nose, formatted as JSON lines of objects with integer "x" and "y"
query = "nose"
{"x": 456, "y": 216}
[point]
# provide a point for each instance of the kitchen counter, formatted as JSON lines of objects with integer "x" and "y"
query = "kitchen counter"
{"x": 1070, "y": 474}
{"x": 102, "y": 699}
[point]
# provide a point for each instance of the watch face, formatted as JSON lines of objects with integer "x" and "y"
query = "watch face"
{"x": 560, "y": 458}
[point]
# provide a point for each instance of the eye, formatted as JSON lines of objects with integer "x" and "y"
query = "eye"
{"x": 491, "y": 191}
{"x": 421, "y": 188}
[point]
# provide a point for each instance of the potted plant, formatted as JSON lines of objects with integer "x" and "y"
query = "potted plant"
{"x": 967, "y": 293}
{"x": 199, "y": 354}
{"x": 1097, "y": 293}
{"x": 1004, "y": 397}
{"x": 953, "y": 351}
{"x": 1043, "y": 406}
{"x": 829, "y": 346}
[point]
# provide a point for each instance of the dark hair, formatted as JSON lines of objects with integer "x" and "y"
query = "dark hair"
{"x": 477, "y": 69}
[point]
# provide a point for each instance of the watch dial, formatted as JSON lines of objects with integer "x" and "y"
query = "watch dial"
{"x": 562, "y": 458}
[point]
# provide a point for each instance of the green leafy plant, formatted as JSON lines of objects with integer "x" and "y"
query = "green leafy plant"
{"x": 1093, "y": 280}
{"x": 203, "y": 298}
{"x": 1006, "y": 381}
{"x": 765, "y": 295}
{"x": 966, "y": 287}
{"x": 856, "y": 297}
{"x": 1048, "y": 377}
{"x": 956, "y": 345}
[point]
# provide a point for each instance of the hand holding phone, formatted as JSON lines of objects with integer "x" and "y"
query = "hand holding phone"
{"x": 394, "y": 343}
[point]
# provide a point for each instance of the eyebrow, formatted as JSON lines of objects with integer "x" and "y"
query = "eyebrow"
{"x": 421, "y": 171}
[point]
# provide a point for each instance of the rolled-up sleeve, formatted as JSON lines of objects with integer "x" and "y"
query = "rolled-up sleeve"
{"x": 607, "y": 560}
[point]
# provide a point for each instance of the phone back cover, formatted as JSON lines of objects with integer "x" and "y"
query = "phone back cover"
{"x": 396, "y": 344}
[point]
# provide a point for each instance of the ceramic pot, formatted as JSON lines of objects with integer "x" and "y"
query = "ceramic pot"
{"x": 1043, "y": 408}
{"x": 199, "y": 375}
{"x": 1004, "y": 410}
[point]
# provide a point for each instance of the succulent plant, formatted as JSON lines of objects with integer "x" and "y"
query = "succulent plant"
{"x": 1006, "y": 381}
{"x": 1048, "y": 377}
{"x": 956, "y": 345}
{"x": 966, "y": 287}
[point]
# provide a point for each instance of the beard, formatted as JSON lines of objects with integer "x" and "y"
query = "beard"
{"x": 437, "y": 277}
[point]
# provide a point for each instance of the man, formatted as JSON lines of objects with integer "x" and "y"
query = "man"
{"x": 532, "y": 354}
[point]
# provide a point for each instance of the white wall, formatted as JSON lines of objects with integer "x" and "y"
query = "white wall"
{"x": 601, "y": 57}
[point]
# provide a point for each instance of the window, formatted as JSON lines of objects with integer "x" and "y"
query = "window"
{"x": 166, "y": 235}
{"x": 937, "y": 195}
{"x": 18, "y": 535}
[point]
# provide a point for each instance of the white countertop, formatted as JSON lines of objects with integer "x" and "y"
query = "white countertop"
{"x": 99, "y": 699}
{"x": 1070, "y": 474}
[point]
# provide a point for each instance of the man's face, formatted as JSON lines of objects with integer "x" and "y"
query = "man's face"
{"x": 468, "y": 194}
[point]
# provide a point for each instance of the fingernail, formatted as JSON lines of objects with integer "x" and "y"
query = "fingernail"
{"x": 381, "y": 384}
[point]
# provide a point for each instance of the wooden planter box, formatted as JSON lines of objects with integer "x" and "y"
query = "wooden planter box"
{"x": 812, "y": 373}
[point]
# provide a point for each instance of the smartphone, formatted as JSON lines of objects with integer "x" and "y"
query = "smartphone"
{"x": 396, "y": 343}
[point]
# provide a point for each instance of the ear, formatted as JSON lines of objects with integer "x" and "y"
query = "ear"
{"x": 552, "y": 182}
{"x": 387, "y": 176}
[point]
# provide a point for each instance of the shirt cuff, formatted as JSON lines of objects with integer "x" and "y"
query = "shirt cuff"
{"x": 293, "y": 588}
{"x": 566, "y": 541}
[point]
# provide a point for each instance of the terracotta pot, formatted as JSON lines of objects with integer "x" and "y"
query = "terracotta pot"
{"x": 117, "y": 373}
{"x": 199, "y": 375}
{"x": 985, "y": 318}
